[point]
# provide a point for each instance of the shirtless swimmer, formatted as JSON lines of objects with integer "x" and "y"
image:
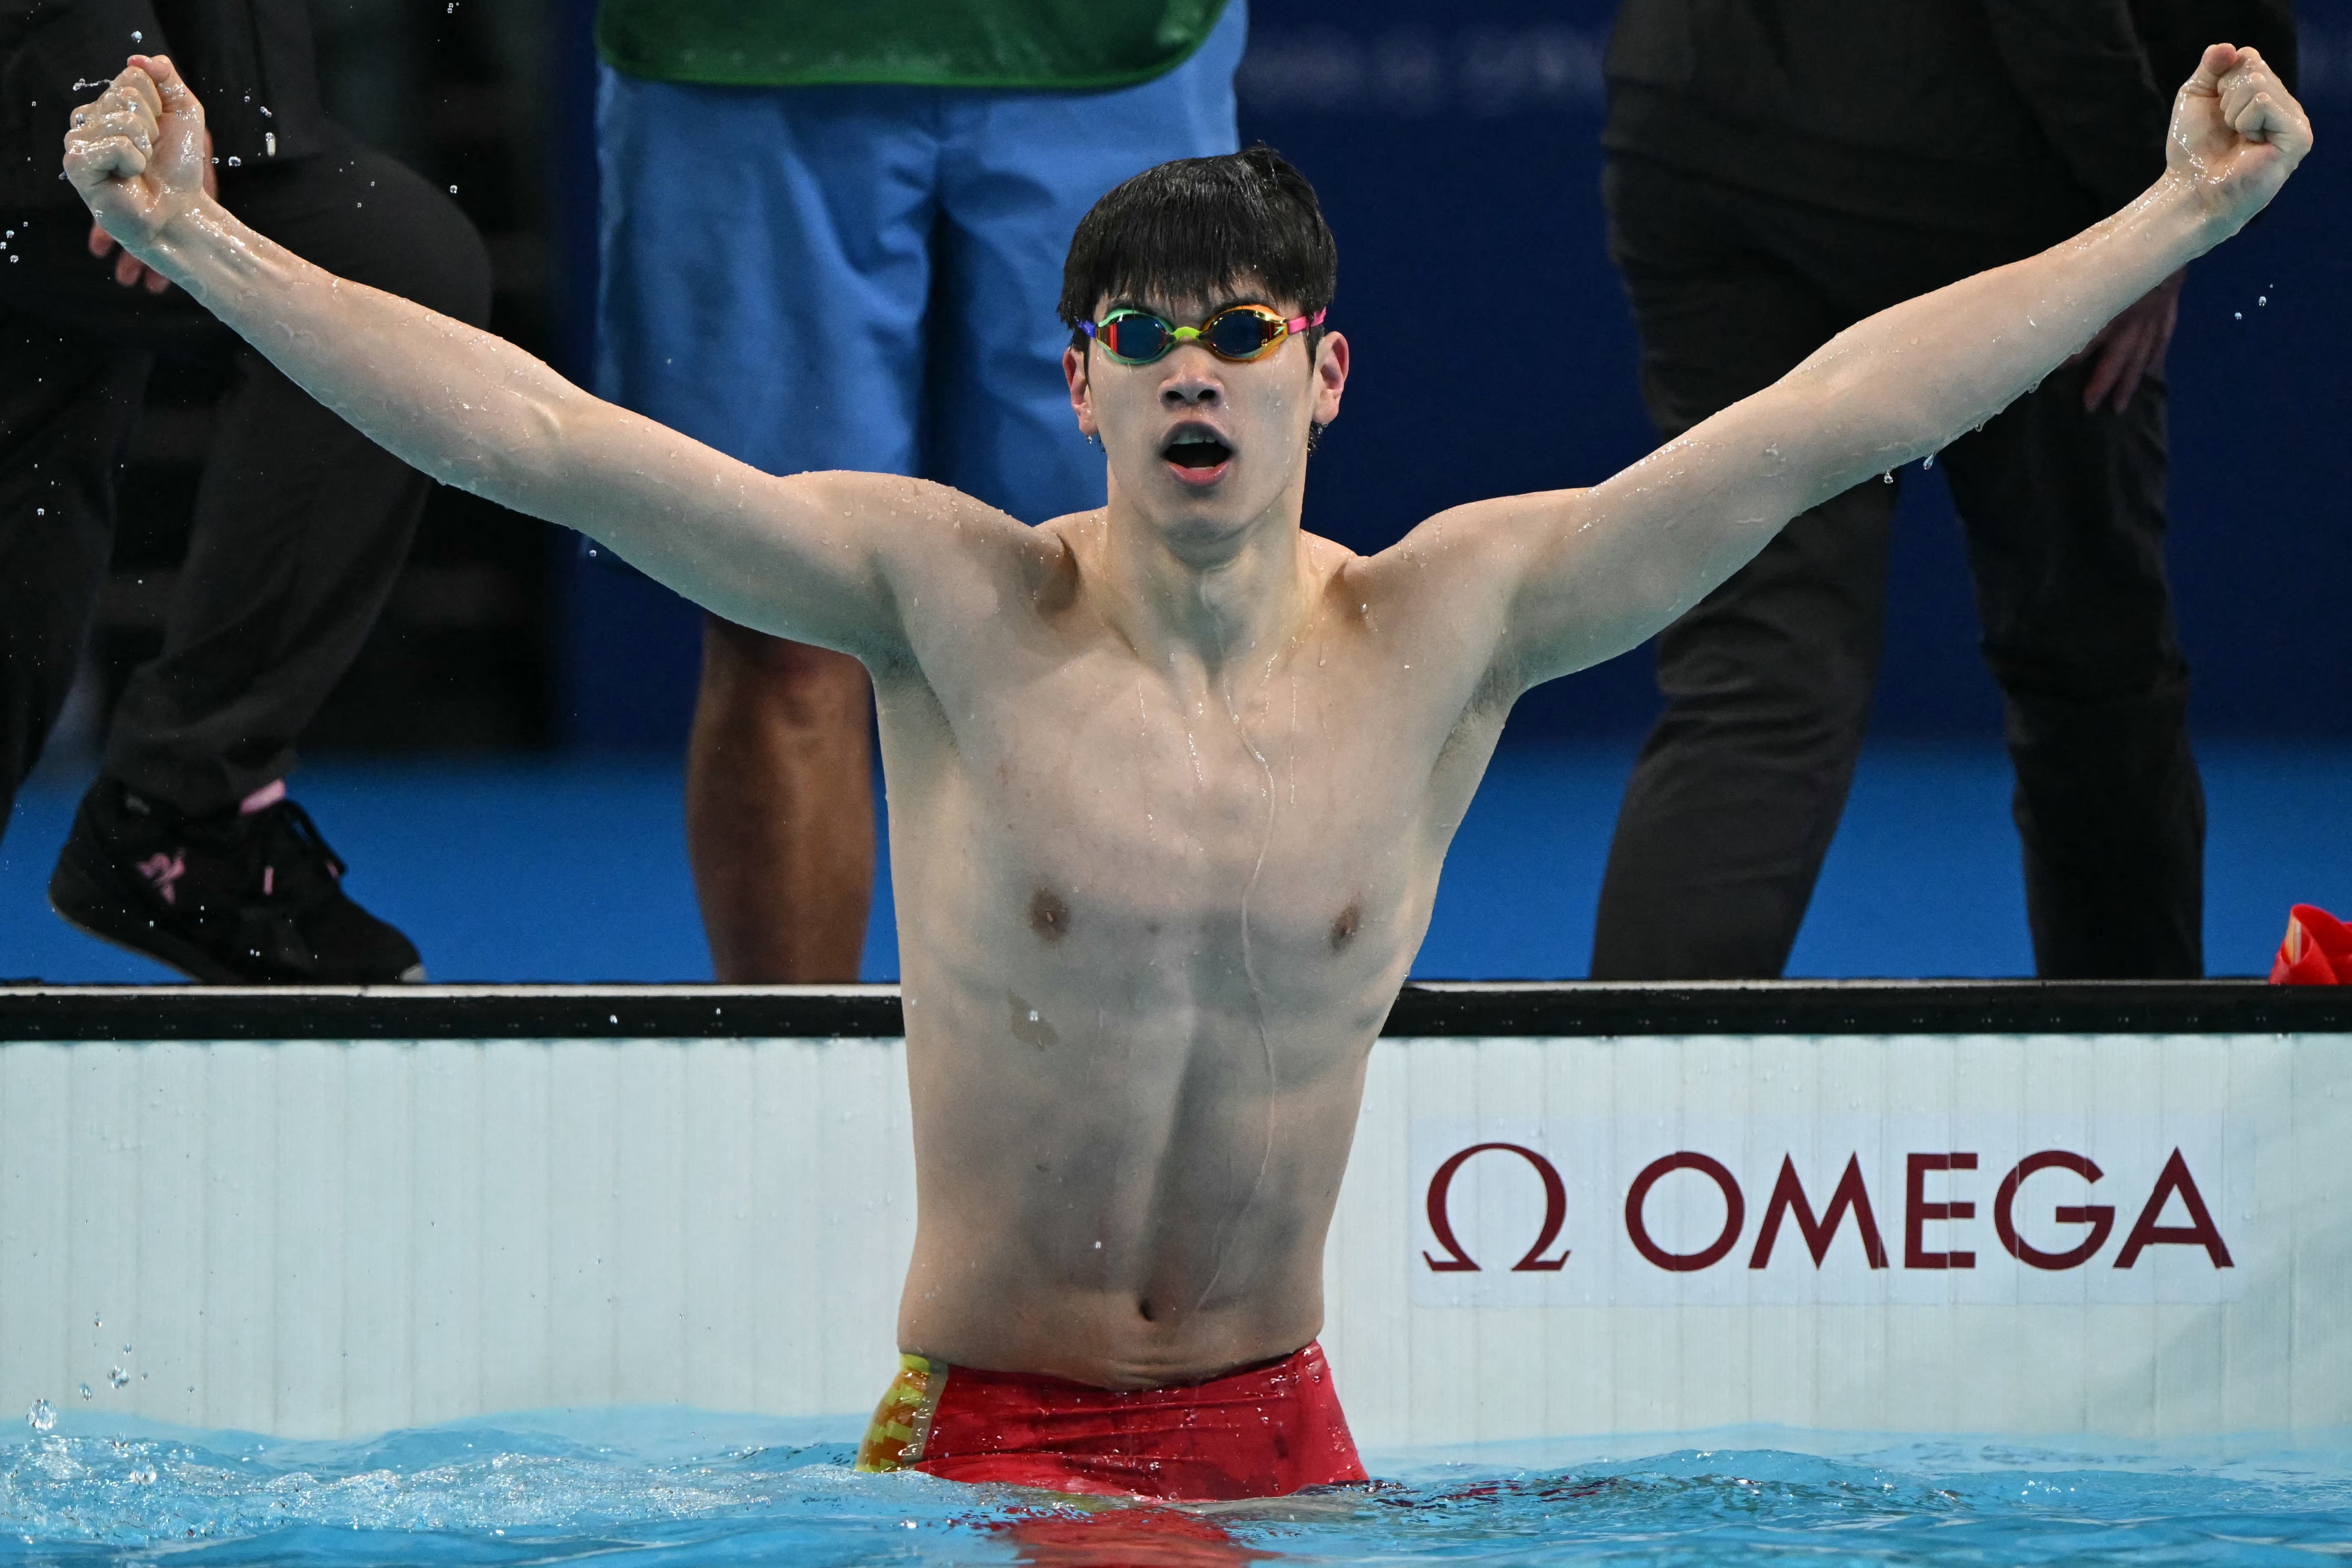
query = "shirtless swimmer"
{"x": 1171, "y": 782}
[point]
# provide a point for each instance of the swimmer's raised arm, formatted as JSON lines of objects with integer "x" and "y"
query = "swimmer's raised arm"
{"x": 1576, "y": 576}
{"x": 813, "y": 556}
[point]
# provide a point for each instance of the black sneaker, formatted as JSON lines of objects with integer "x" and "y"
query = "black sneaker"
{"x": 243, "y": 897}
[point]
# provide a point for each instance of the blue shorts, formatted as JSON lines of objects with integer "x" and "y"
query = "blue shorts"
{"x": 865, "y": 277}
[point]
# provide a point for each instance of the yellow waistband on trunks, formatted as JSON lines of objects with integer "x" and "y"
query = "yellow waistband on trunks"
{"x": 902, "y": 1422}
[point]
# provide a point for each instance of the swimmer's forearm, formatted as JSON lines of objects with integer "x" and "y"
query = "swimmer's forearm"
{"x": 1905, "y": 381}
{"x": 459, "y": 403}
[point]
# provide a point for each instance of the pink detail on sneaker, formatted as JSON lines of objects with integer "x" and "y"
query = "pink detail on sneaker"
{"x": 164, "y": 870}
{"x": 262, "y": 799}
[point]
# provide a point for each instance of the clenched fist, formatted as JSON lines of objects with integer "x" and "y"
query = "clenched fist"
{"x": 137, "y": 153}
{"x": 2237, "y": 134}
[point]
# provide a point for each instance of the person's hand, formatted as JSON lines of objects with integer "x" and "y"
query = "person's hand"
{"x": 2237, "y": 134}
{"x": 128, "y": 270}
{"x": 2131, "y": 345}
{"x": 138, "y": 155}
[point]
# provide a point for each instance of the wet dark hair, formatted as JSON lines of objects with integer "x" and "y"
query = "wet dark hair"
{"x": 1203, "y": 227}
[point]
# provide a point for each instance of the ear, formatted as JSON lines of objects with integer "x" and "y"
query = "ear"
{"x": 1074, "y": 371}
{"x": 1330, "y": 376}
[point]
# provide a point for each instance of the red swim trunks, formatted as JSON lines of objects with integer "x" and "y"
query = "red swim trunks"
{"x": 1264, "y": 1431}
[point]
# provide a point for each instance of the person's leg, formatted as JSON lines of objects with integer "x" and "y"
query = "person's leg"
{"x": 779, "y": 807}
{"x": 1768, "y": 680}
{"x": 2065, "y": 517}
{"x": 779, "y": 316}
{"x": 75, "y": 348}
{"x": 1019, "y": 170}
{"x": 66, "y": 404}
{"x": 187, "y": 847}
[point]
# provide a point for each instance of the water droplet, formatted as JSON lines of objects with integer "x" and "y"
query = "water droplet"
{"x": 142, "y": 1475}
{"x": 42, "y": 1416}
{"x": 85, "y": 1391}
{"x": 1929, "y": 461}
{"x": 2237, "y": 315}
{"x": 138, "y": 37}
{"x": 270, "y": 144}
{"x": 116, "y": 1376}
{"x": 2262, "y": 299}
{"x": 235, "y": 162}
{"x": 453, "y": 190}
{"x": 1886, "y": 478}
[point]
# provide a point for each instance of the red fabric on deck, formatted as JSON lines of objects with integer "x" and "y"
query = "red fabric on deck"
{"x": 2317, "y": 949}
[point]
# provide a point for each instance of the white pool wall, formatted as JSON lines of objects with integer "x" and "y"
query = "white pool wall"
{"x": 330, "y": 1239}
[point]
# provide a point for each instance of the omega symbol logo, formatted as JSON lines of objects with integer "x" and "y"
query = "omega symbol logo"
{"x": 1441, "y": 1224}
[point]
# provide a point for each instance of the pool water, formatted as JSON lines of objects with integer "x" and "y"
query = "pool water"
{"x": 665, "y": 1487}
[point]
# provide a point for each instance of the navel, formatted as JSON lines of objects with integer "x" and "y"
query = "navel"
{"x": 1343, "y": 930}
{"x": 1049, "y": 917}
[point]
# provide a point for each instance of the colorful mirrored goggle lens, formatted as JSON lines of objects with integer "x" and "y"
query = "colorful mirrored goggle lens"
{"x": 1238, "y": 332}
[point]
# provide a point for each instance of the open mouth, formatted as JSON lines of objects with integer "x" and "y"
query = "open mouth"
{"x": 1196, "y": 455}
{"x": 1198, "y": 452}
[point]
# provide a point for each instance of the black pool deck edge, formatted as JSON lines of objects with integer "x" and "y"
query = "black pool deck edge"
{"x": 1562, "y": 1008}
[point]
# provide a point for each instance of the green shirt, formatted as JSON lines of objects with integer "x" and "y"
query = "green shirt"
{"x": 922, "y": 43}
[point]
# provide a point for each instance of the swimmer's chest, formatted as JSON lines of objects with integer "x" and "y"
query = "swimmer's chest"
{"x": 1095, "y": 804}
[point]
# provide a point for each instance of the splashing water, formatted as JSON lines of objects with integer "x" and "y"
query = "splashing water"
{"x": 662, "y": 1487}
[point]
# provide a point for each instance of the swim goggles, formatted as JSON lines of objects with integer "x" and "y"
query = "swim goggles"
{"x": 1238, "y": 333}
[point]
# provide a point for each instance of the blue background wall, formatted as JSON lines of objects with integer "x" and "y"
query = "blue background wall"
{"x": 1458, "y": 162}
